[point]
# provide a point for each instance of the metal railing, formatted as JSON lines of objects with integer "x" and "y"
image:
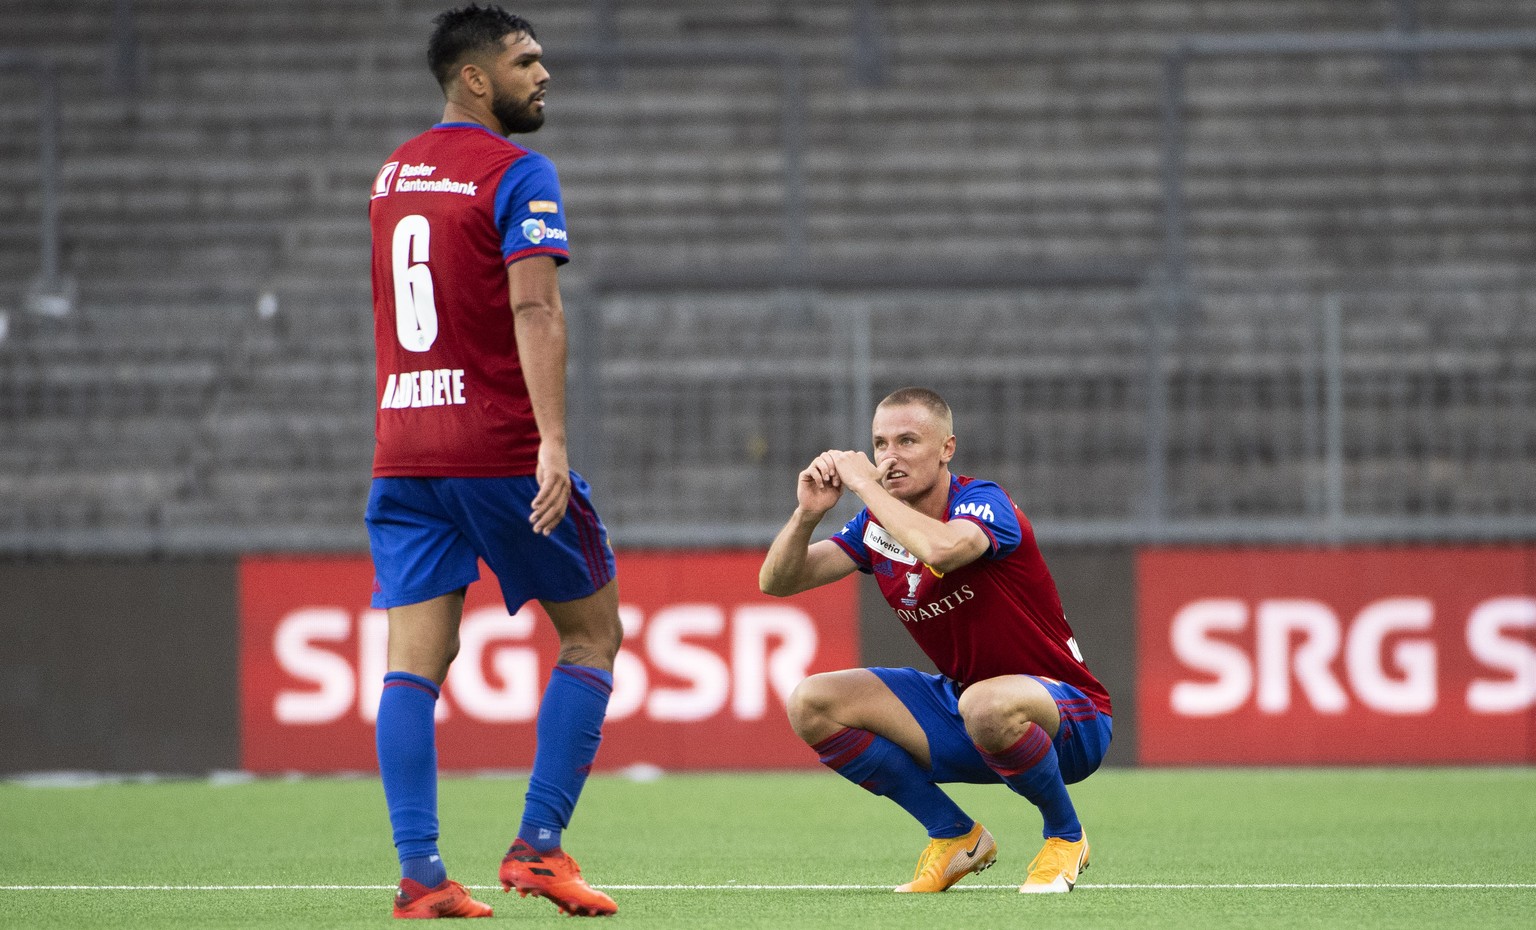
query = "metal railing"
{"x": 1181, "y": 296}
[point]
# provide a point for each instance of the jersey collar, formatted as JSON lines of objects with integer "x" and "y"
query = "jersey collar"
{"x": 469, "y": 125}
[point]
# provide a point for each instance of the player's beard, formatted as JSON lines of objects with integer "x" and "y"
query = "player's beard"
{"x": 516, "y": 115}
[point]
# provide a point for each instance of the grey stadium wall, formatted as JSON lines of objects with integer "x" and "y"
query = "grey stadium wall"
{"x": 119, "y": 665}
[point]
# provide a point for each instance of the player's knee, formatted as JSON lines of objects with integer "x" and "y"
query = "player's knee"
{"x": 976, "y": 703}
{"x": 427, "y": 658}
{"x": 810, "y": 701}
{"x": 595, "y": 645}
{"x": 990, "y": 714}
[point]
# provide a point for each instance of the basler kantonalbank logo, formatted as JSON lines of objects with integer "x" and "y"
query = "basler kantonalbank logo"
{"x": 385, "y": 178}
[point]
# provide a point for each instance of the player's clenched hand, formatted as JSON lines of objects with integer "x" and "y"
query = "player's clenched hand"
{"x": 856, "y": 471}
{"x": 554, "y": 475}
{"x": 819, "y": 487}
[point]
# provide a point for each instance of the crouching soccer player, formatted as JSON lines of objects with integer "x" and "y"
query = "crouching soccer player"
{"x": 1013, "y": 703}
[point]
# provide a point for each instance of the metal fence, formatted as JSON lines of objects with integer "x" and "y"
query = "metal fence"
{"x": 1290, "y": 416}
{"x": 1382, "y": 186}
{"x": 1339, "y": 342}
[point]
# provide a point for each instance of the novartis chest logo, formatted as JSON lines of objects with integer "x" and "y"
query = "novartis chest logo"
{"x": 937, "y": 607}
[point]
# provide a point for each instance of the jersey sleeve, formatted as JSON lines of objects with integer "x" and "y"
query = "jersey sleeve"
{"x": 989, "y": 507}
{"x": 530, "y": 216}
{"x": 851, "y": 539}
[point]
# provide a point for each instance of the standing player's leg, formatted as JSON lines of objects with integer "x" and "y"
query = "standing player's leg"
{"x": 1014, "y": 721}
{"x": 571, "y": 712}
{"x": 569, "y": 731}
{"x": 423, "y": 639}
{"x": 864, "y": 732}
{"x": 571, "y": 573}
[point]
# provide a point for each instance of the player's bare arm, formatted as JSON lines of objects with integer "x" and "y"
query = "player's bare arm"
{"x": 794, "y": 563}
{"x": 943, "y": 546}
{"x": 539, "y": 320}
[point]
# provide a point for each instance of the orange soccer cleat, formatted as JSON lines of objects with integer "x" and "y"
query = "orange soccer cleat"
{"x": 945, "y": 862}
{"x": 555, "y": 876}
{"x": 415, "y": 901}
{"x": 1055, "y": 869}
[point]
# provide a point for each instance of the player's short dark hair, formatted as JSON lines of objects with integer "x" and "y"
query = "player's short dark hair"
{"x": 922, "y": 397}
{"x": 470, "y": 30}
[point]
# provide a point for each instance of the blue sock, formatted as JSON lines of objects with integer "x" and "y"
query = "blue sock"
{"x": 406, "y": 738}
{"x": 881, "y": 767}
{"x": 428, "y": 870}
{"x": 569, "y": 730}
{"x": 1030, "y": 768}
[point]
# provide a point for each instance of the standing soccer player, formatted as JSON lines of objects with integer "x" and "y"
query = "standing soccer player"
{"x": 471, "y": 462}
{"x": 1013, "y": 703}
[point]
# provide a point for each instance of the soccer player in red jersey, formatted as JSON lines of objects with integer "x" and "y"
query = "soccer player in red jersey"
{"x": 471, "y": 462}
{"x": 1013, "y": 701}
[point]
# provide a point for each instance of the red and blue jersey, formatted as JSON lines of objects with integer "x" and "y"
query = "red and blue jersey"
{"x": 998, "y": 615}
{"x": 451, "y": 209}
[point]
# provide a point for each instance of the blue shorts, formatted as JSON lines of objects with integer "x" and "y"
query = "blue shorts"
{"x": 934, "y": 700}
{"x": 427, "y": 536}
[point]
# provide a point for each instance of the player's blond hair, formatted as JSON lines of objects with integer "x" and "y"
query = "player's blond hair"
{"x": 926, "y": 398}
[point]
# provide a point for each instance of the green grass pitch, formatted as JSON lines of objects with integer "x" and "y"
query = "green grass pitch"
{"x": 1189, "y": 849}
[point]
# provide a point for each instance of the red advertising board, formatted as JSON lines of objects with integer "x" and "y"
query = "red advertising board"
{"x": 707, "y": 664}
{"x": 1298, "y": 656}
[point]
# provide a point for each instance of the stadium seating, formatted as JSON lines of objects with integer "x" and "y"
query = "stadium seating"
{"x": 215, "y": 375}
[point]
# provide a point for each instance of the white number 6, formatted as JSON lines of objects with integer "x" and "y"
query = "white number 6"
{"x": 415, "y": 306}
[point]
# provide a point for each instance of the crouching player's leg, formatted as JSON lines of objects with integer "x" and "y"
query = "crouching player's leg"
{"x": 864, "y": 732}
{"x": 1040, "y": 735}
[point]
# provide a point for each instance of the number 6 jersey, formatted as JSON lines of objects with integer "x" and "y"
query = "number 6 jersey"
{"x": 451, "y": 210}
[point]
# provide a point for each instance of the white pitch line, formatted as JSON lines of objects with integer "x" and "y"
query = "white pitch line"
{"x": 197, "y": 887}
{"x": 1236, "y": 886}
{"x": 1108, "y": 886}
